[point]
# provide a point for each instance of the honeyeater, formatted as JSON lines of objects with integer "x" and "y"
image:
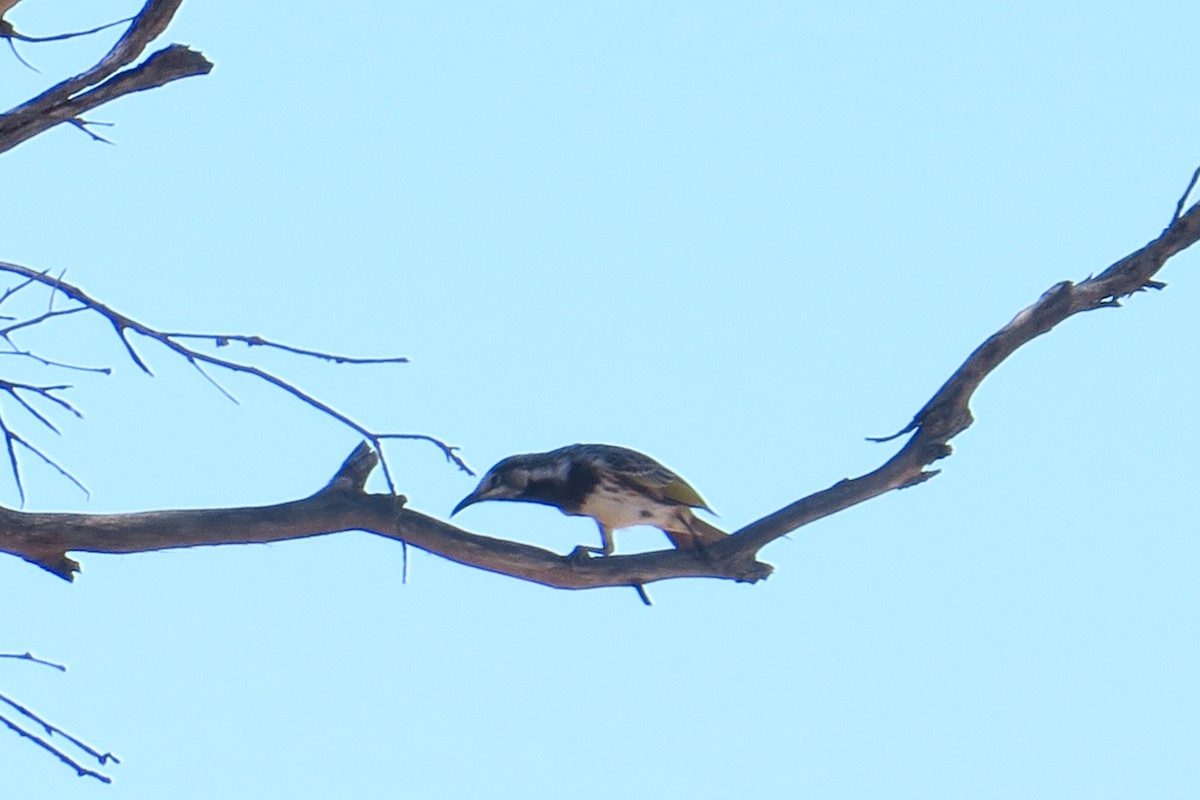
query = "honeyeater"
{"x": 615, "y": 486}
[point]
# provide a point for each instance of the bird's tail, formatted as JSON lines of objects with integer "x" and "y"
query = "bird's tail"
{"x": 695, "y": 533}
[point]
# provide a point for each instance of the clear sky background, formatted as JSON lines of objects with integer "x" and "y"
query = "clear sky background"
{"x": 740, "y": 237}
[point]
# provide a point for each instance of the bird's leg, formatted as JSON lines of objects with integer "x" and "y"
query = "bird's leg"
{"x": 606, "y": 540}
{"x": 581, "y": 554}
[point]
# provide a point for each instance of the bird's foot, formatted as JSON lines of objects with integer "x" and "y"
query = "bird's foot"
{"x": 582, "y": 555}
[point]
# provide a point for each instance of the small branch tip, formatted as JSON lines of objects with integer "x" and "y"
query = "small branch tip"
{"x": 909, "y": 428}
{"x": 56, "y": 564}
{"x": 355, "y": 470}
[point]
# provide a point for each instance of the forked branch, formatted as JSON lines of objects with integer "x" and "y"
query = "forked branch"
{"x": 343, "y": 505}
{"x": 37, "y": 401}
{"x": 112, "y": 77}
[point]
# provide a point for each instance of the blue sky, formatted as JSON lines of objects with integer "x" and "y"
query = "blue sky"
{"x": 740, "y": 238}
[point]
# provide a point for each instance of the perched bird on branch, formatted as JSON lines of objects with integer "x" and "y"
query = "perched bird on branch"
{"x": 615, "y": 486}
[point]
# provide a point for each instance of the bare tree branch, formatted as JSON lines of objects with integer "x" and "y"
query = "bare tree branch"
{"x": 116, "y": 75}
{"x": 343, "y": 505}
{"x": 948, "y": 414}
{"x": 51, "y": 730}
{"x": 70, "y": 99}
{"x": 1186, "y": 193}
{"x": 45, "y": 539}
{"x": 224, "y": 339}
{"x": 124, "y": 325}
{"x": 27, "y": 656}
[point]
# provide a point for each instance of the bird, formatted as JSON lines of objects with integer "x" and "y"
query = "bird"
{"x": 615, "y": 486}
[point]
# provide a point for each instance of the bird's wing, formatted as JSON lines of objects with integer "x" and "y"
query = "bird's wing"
{"x": 680, "y": 491}
{"x": 644, "y": 474}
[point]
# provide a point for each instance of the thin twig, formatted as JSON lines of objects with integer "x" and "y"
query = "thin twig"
{"x": 449, "y": 451}
{"x": 12, "y": 459}
{"x": 82, "y": 124}
{"x": 51, "y": 363}
{"x": 224, "y": 339}
{"x": 12, "y": 438}
{"x": 13, "y": 46}
{"x": 10, "y": 291}
{"x": 40, "y": 318}
{"x": 33, "y": 412}
{"x": 80, "y": 770}
{"x": 50, "y": 463}
{"x": 1183, "y": 198}
{"x": 214, "y": 382}
{"x": 53, "y": 730}
{"x": 62, "y": 273}
{"x": 46, "y": 392}
{"x": 12, "y": 33}
{"x": 123, "y": 326}
{"x": 27, "y": 656}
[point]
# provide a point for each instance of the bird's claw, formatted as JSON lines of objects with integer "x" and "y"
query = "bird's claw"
{"x": 580, "y": 555}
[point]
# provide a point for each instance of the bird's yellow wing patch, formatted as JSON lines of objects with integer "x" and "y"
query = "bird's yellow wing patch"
{"x": 679, "y": 491}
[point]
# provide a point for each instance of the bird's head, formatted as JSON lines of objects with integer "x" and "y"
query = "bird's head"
{"x": 508, "y": 480}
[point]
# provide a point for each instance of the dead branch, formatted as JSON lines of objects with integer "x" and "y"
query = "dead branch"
{"x": 27, "y": 395}
{"x": 69, "y": 100}
{"x": 57, "y": 752}
{"x": 948, "y": 412}
{"x": 30, "y": 657}
{"x": 28, "y": 717}
{"x": 343, "y": 505}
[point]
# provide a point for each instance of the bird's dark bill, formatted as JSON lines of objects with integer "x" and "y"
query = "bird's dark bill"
{"x": 466, "y": 501}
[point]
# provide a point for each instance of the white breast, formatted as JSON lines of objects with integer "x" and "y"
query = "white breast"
{"x": 615, "y": 507}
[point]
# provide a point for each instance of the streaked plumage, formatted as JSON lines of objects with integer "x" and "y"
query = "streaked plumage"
{"x": 615, "y": 486}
